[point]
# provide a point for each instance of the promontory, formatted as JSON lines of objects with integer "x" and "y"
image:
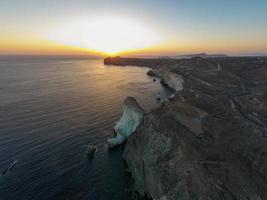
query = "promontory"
{"x": 207, "y": 142}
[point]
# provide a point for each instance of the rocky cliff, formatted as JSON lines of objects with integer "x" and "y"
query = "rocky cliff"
{"x": 131, "y": 118}
{"x": 209, "y": 141}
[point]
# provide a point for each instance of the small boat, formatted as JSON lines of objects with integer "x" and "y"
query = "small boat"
{"x": 10, "y": 167}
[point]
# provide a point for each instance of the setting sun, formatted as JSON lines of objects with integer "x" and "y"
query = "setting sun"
{"x": 109, "y": 35}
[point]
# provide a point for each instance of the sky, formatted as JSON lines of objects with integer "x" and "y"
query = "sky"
{"x": 134, "y": 27}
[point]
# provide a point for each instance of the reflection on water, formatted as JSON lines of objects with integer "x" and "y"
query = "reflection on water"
{"x": 50, "y": 110}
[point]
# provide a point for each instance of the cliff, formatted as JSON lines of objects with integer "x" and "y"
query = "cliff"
{"x": 209, "y": 141}
{"x": 131, "y": 118}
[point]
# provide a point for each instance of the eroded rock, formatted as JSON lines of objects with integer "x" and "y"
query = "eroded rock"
{"x": 168, "y": 78}
{"x": 131, "y": 118}
{"x": 90, "y": 151}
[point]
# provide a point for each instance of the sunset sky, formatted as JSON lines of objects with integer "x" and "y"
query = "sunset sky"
{"x": 133, "y": 27}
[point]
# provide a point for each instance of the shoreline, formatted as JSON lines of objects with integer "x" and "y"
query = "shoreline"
{"x": 209, "y": 140}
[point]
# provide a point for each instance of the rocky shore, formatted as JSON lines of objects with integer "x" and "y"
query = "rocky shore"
{"x": 209, "y": 141}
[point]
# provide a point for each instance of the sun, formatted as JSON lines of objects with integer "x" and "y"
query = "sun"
{"x": 110, "y": 35}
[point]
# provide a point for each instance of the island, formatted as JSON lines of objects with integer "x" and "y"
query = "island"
{"x": 208, "y": 140}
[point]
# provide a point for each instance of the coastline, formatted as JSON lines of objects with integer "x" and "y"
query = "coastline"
{"x": 209, "y": 140}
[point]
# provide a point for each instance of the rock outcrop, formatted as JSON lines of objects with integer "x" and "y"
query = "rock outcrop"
{"x": 131, "y": 118}
{"x": 168, "y": 78}
{"x": 209, "y": 141}
{"x": 91, "y": 150}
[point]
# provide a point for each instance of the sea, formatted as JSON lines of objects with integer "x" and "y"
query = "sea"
{"x": 51, "y": 109}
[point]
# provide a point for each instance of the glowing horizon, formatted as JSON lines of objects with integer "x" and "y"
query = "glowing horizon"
{"x": 133, "y": 28}
{"x": 110, "y": 35}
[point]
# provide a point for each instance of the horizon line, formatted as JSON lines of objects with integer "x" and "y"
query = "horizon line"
{"x": 257, "y": 54}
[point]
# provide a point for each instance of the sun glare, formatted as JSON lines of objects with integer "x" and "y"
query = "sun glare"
{"x": 109, "y": 35}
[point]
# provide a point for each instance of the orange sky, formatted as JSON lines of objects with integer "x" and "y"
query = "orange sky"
{"x": 36, "y": 46}
{"x": 40, "y": 47}
{"x": 172, "y": 28}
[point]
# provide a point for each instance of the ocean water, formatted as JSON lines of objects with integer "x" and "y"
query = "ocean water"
{"x": 51, "y": 109}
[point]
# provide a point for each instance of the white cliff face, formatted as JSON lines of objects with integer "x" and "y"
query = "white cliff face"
{"x": 173, "y": 80}
{"x": 131, "y": 118}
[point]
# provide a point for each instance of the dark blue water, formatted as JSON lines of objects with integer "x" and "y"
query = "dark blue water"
{"x": 51, "y": 109}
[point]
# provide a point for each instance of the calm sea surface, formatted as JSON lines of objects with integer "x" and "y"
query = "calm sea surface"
{"x": 51, "y": 109}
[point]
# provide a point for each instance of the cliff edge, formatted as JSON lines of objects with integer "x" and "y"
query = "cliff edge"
{"x": 208, "y": 141}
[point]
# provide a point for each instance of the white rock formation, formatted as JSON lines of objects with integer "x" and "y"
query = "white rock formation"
{"x": 132, "y": 116}
{"x": 172, "y": 80}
